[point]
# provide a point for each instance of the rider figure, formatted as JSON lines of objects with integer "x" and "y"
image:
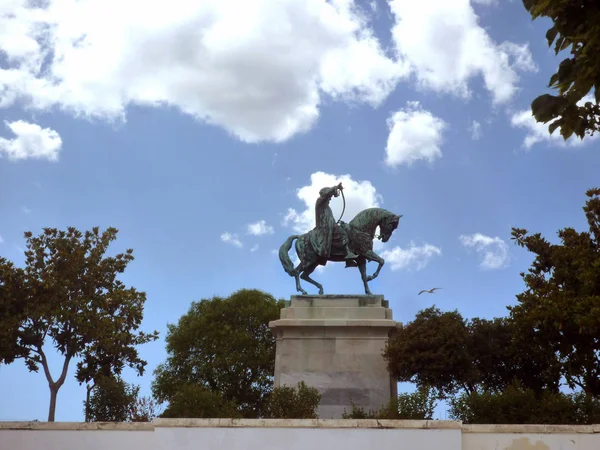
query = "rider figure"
{"x": 326, "y": 224}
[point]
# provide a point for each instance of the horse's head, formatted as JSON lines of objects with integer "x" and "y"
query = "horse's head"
{"x": 387, "y": 226}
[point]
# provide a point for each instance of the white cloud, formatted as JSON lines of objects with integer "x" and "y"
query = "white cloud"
{"x": 414, "y": 257}
{"x": 259, "y": 228}
{"x": 475, "y": 130}
{"x": 257, "y": 68}
{"x": 25, "y": 210}
{"x": 447, "y": 47}
{"x": 494, "y": 250}
{"x": 232, "y": 238}
{"x": 30, "y": 141}
{"x": 1, "y": 240}
{"x": 538, "y": 132}
{"x": 359, "y": 195}
{"x": 254, "y": 248}
{"x": 415, "y": 134}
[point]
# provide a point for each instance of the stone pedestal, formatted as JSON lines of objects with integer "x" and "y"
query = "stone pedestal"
{"x": 335, "y": 343}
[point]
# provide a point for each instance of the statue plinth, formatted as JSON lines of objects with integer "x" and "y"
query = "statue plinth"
{"x": 335, "y": 344}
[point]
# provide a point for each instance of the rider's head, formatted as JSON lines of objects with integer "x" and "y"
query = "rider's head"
{"x": 323, "y": 191}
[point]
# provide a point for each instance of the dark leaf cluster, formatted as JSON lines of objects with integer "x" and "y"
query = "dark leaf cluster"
{"x": 576, "y": 28}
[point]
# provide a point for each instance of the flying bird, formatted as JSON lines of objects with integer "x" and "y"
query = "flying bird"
{"x": 429, "y": 291}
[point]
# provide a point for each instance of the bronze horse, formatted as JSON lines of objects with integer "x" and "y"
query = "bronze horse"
{"x": 361, "y": 232}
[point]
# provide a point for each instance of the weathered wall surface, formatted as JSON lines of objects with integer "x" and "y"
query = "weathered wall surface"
{"x": 228, "y": 434}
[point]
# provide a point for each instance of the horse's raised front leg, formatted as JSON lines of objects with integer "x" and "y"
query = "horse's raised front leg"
{"x": 372, "y": 256}
{"x": 306, "y": 276}
{"x": 362, "y": 266}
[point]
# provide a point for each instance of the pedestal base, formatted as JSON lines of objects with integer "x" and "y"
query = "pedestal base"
{"x": 335, "y": 343}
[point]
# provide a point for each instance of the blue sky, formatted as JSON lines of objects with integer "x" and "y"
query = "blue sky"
{"x": 188, "y": 126}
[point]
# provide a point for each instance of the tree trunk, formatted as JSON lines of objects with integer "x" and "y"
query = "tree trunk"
{"x": 87, "y": 402}
{"x": 52, "y": 410}
{"x": 54, "y": 385}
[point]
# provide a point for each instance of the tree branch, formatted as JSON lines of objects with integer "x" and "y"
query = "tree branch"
{"x": 65, "y": 369}
{"x": 45, "y": 365}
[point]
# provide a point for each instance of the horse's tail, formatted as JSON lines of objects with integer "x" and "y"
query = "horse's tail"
{"x": 286, "y": 262}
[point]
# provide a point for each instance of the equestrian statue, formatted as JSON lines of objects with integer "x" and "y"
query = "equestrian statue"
{"x": 338, "y": 241}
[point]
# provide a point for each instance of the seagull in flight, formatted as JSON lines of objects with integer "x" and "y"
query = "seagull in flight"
{"x": 429, "y": 291}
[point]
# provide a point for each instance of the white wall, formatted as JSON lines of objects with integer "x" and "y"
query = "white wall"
{"x": 530, "y": 437}
{"x": 227, "y": 434}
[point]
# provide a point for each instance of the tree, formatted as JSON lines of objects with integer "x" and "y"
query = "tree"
{"x": 287, "y": 402}
{"x": 12, "y": 311}
{"x": 560, "y": 306}
{"x": 224, "y": 345}
{"x": 445, "y": 352}
{"x": 114, "y": 400}
{"x": 516, "y": 404}
{"x": 576, "y": 24}
{"x": 70, "y": 295}
{"x": 432, "y": 351}
{"x": 501, "y": 356}
{"x": 196, "y": 401}
{"x": 111, "y": 400}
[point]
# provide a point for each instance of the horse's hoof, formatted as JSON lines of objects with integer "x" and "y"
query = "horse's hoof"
{"x": 320, "y": 291}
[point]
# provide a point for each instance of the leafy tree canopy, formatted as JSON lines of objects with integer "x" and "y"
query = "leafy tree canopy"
{"x": 560, "y": 306}
{"x": 523, "y": 406}
{"x": 12, "y": 311}
{"x": 226, "y": 346}
{"x": 576, "y": 25}
{"x": 68, "y": 294}
{"x": 445, "y": 352}
{"x": 432, "y": 351}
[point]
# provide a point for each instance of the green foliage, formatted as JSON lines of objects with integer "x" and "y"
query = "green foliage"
{"x": 144, "y": 409}
{"x": 516, "y": 405}
{"x": 576, "y": 25}
{"x": 226, "y": 346}
{"x": 286, "y": 402}
{"x": 356, "y": 412}
{"x": 501, "y": 356}
{"x": 560, "y": 307}
{"x": 12, "y": 311}
{"x": 418, "y": 405}
{"x": 111, "y": 400}
{"x": 444, "y": 351}
{"x": 432, "y": 351}
{"x": 195, "y": 401}
{"x": 68, "y": 293}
